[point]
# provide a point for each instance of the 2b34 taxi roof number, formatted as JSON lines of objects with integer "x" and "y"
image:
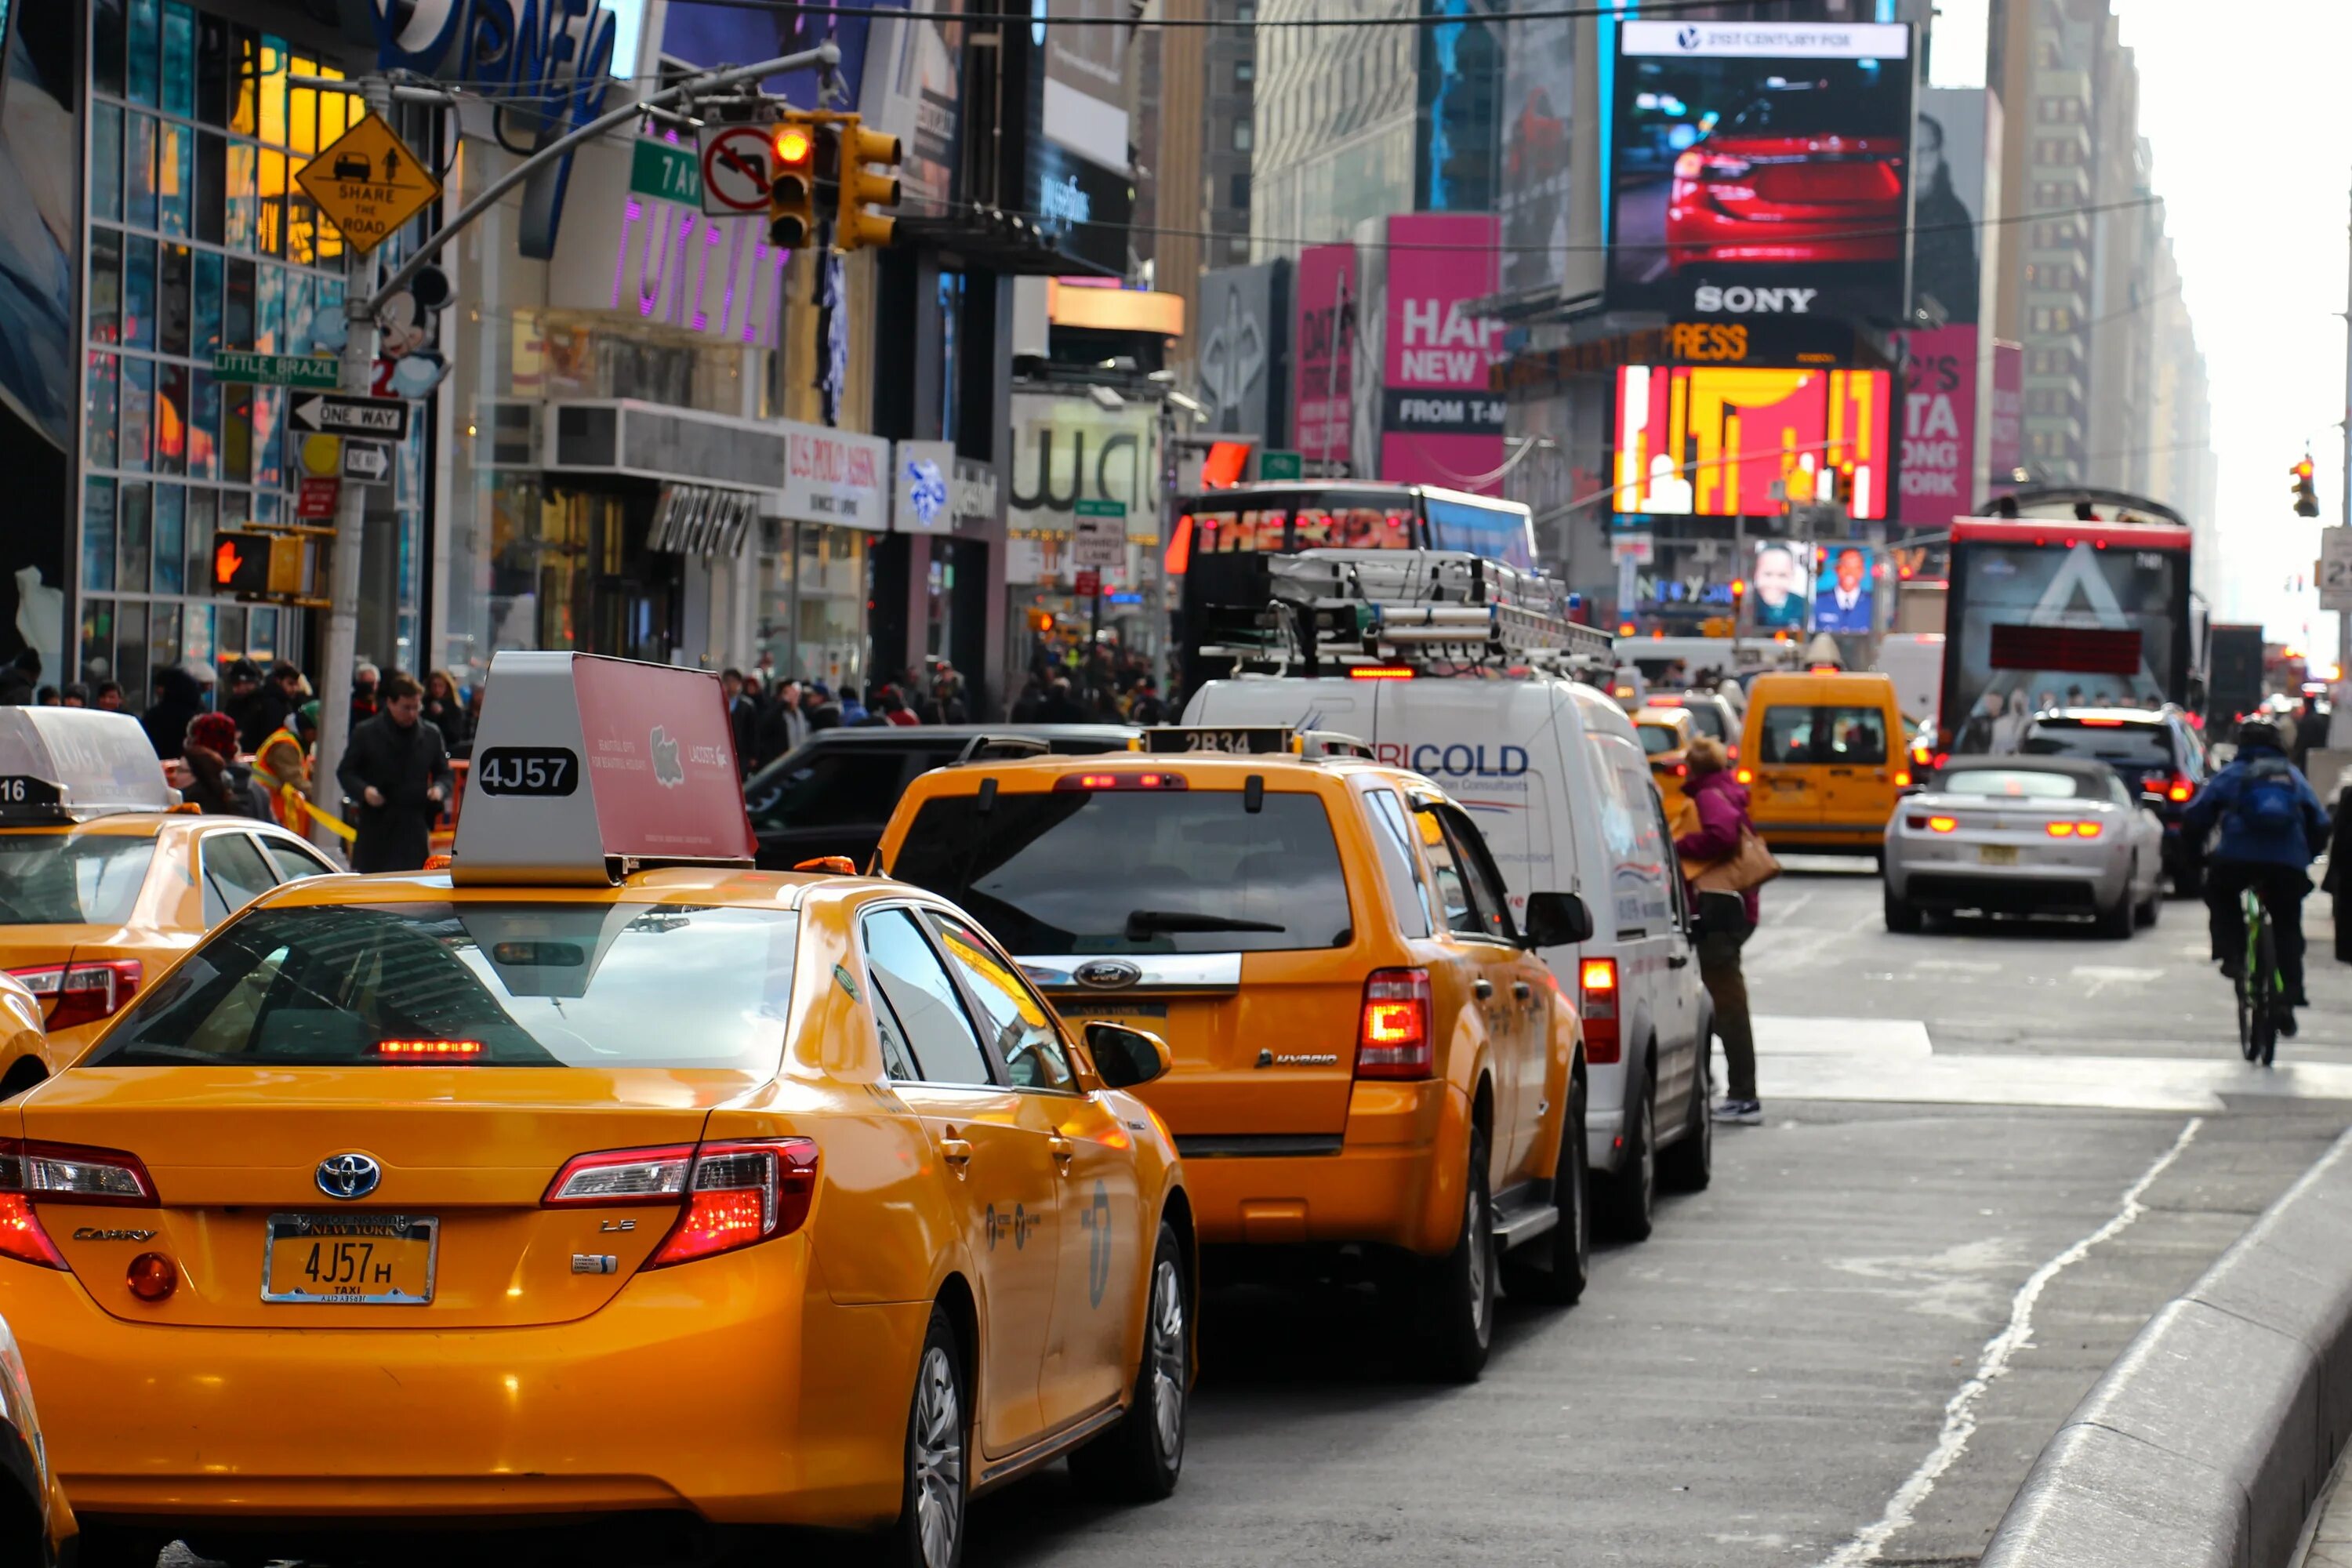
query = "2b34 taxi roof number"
{"x": 527, "y": 770}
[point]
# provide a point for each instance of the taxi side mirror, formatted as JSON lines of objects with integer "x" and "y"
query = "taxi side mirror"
{"x": 1557, "y": 919}
{"x": 1125, "y": 1057}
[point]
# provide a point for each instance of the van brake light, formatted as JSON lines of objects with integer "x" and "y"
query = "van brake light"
{"x": 1393, "y": 1038}
{"x": 1597, "y": 986}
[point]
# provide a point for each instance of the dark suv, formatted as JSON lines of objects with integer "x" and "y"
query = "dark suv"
{"x": 2156, "y": 753}
{"x": 832, "y": 794}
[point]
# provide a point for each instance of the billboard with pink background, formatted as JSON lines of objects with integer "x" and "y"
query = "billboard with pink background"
{"x": 1440, "y": 423}
{"x": 1938, "y": 470}
{"x": 1322, "y": 359}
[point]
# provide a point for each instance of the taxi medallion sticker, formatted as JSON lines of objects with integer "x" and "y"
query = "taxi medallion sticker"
{"x": 368, "y": 183}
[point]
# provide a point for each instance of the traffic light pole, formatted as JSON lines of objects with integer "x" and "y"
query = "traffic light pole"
{"x": 2343, "y": 618}
{"x": 360, "y": 308}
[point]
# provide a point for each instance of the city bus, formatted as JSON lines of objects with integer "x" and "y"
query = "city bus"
{"x": 1218, "y": 533}
{"x": 2080, "y": 600}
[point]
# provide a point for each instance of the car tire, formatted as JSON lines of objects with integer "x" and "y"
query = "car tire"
{"x": 1632, "y": 1192}
{"x": 1689, "y": 1165}
{"x": 1457, "y": 1291}
{"x": 936, "y": 1482}
{"x": 1902, "y": 916}
{"x": 2147, "y": 913}
{"x": 2188, "y": 882}
{"x": 2115, "y": 923}
{"x": 1555, "y": 1267}
{"x": 1140, "y": 1459}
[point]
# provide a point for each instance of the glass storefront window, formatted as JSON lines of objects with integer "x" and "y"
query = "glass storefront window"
{"x": 137, "y": 415}
{"x": 106, "y": 164}
{"x": 196, "y": 634}
{"x": 829, "y": 622}
{"x": 131, "y": 652}
{"x": 99, "y": 411}
{"x": 237, "y": 188}
{"x": 176, "y": 176}
{"x": 269, "y": 311}
{"x": 171, "y": 300}
{"x": 145, "y": 22}
{"x": 171, "y": 418}
{"x": 204, "y": 513}
{"x": 98, "y": 639}
{"x": 163, "y": 635}
{"x": 133, "y": 538}
{"x": 106, "y": 29}
{"x": 98, "y": 535}
{"x": 105, "y": 302}
{"x": 171, "y": 539}
{"x": 204, "y": 426}
{"x": 206, "y": 312}
{"x": 138, "y": 292}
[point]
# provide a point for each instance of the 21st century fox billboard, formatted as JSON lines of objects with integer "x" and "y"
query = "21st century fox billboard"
{"x": 1760, "y": 169}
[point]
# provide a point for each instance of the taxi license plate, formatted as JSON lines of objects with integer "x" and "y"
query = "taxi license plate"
{"x": 350, "y": 1259}
{"x": 1997, "y": 854}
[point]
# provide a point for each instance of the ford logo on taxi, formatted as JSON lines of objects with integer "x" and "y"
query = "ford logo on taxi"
{"x": 1455, "y": 761}
{"x": 1108, "y": 974}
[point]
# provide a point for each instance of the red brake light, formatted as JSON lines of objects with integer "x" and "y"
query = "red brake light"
{"x": 429, "y": 1050}
{"x": 2059, "y": 829}
{"x": 741, "y": 1192}
{"x": 2088, "y": 830}
{"x": 1942, "y": 823}
{"x": 1596, "y": 980}
{"x": 83, "y": 993}
{"x": 151, "y": 1277}
{"x": 1901, "y": 778}
{"x": 2180, "y": 790}
{"x": 1747, "y": 776}
{"x": 1380, "y": 672}
{"x": 2102, "y": 723}
{"x": 21, "y": 1236}
{"x": 1393, "y": 1037}
{"x": 1120, "y": 781}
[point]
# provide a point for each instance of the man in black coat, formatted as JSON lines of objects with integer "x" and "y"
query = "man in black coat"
{"x": 179, "y": 697}
{"x": 397, "y": 769}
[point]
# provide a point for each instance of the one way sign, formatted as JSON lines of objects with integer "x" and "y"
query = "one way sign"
{"x": 333, "y": 414}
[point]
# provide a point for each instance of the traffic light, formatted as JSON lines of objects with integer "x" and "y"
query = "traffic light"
{"x": 792, "y": 183}
{"x": 254, "y": 565}
{"x": 853, "y": 228}
{"x": 2307, "y": 498}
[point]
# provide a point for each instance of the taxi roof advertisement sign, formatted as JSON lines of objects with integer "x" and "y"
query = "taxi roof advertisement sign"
{"x": 78, "y": 763}
{"x": 583, "y": 763}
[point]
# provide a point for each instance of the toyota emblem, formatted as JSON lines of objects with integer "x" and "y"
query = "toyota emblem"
{"x": 348, "y": 1176}
{"x": 1109, "y": 974}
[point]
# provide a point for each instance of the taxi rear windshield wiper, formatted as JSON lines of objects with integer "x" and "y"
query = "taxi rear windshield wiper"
{"x": 1141, "y": 923}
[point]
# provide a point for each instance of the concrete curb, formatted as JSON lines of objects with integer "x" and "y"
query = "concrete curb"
{"x": 2208, "y": 1440}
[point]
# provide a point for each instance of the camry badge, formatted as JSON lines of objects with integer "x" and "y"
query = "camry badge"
{"x": 1108, "y": 974}
{"x": 90, "y": 1233}
{"x": 348, "y": 1176}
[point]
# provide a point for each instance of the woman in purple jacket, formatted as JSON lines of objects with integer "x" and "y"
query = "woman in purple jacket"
{"x": 1722, "y": 802}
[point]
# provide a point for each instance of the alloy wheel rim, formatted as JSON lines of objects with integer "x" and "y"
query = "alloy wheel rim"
{"x": 1474, "y": 1224}
{"x": 938, "y": 1458}
{"x": 1168, "y": 1358}
{"x": 1649, "y": 1156}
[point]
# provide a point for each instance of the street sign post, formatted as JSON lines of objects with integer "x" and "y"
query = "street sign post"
{"x": 2335, "y": 569}
{"x": 1100, "y": 539}
{"x": 1280, "y": 465}
{"x": 367, "y": 184}
{"x": 367, "y": 462}
{"x": 315, "y": 503}
{"x": 1088, "y": 583}
{"x": 316, "y": 372}
{"x": 735, "y": 170}
{"x": 335, "y": 414}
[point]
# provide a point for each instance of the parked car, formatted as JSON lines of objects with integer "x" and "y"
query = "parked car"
{"x": 832, "y": 794}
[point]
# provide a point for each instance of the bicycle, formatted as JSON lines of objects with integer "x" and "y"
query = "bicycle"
{"x": 2260, "y": 989}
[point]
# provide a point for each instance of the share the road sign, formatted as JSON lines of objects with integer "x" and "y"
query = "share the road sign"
{"x": 334, "y": 414}
{"x": 368, "y": 183}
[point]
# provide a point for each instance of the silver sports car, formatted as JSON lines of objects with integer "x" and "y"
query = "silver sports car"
{"x": 2039, "y": 836}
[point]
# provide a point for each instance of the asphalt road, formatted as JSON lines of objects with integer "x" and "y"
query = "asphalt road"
{"x": 1850, "y": 1348}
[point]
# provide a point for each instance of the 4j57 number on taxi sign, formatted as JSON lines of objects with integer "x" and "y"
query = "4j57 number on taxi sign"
{"x": 368, "y": 183}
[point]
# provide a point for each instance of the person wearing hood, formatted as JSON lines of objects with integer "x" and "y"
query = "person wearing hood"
{"x": 257, "y": 706}
{"x": 20, "y": 678}
{"x": 1721, "y": 802}
{"x": 2272, "y": 826}
{"x": 824, "y": 711}
{"x": 220, "y": 784}
{"x": 179, "y": 697}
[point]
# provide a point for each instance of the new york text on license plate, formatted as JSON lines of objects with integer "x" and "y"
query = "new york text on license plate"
{"x": 350, "y": 1259}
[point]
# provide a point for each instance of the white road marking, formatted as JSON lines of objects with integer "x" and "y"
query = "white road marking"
{"x": 1960, "y": 1410}
{"x": 2097, "y": 977}
{"x": 1959, "y": 965}
{"x": 1872, "y": 1039}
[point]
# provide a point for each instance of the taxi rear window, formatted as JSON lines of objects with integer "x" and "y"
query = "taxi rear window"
{"x": 1136, "y": 870}
{"x": 545, "y": 984}
{"x": 60, "y": 879}
{"x": 1708, "y": 717}
{"x": 1657, "y": 738}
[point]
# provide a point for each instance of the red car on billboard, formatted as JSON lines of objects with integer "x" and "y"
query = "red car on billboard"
{"x": 1789, "y": 178}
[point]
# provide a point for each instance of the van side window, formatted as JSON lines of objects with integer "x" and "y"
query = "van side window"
{"x": 1788, "y": 735}
{"x": 1400, "y": 868}
{"x": 1853, "y": 736}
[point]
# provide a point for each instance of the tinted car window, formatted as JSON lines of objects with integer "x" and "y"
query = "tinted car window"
{"x": 234, "y": 874}
{"x": 588, "y": 985}
{"x": 1708, "y": 718}
{"x": 1136, "y": 870}
{"x": 917, "y": 991}
{"x": 2143, "y": 745}
{"x": 1019, "y": 1027}
{"x": 1788, "y": 735}
{"x": 58, "y": 879}
{"x": 293, "y": 862}
{"x": 2014, "y": 784}
{"x": 832, "y": 785}
{"x": 1856, "y": 736}
{"x": 1408, "y": 892}
{"x": 1656, "y": 739}
{"x": 1486, "y": 888}
{"x": 1454, "y": 895}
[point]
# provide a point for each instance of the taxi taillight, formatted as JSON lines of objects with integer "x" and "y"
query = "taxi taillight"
{"x": 1071, "y": 782}
{"x": 63, "y": 1173}
{"x": 1597, "y": 983}
{"x": 83, "y": 993}
{"x": 1393, "y": 1038}
{"x": 735, "y": 1194}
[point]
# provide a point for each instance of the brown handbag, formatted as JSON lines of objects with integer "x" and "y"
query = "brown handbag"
{"x": 1749, "y": 866}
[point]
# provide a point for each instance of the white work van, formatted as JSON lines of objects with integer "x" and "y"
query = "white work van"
{"x": 1557, "y": 780}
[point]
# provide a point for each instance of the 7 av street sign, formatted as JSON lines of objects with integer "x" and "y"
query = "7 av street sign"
{"x": 334, "y": 414}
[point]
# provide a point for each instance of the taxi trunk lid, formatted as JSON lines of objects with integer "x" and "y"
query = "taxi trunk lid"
{"x": 471, "y": 1149}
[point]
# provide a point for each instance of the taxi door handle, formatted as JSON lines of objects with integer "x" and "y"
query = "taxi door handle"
{"x": 957, "y": 1153}
{"x": 1063, "y": 1150}
{"x": 1482, "y": 989}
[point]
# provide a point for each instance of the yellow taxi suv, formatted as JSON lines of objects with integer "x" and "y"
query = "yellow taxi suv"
{"x": 103, "y": 883}
{"x": 602, "y": 1178}
{"x": 1372, "y": 1068}
{"x": 1666, "y": 734}
{"x": 1823, "y": 760}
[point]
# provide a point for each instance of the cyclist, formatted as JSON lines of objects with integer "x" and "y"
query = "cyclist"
{"x": 2271, "y": 825}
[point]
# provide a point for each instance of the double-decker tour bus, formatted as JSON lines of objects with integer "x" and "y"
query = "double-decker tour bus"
{"x": 2079, "y": 599}
{"x": 1220, "y": 535}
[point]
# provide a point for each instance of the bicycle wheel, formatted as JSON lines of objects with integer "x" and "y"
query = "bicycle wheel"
{"x": 2246, "y": 1045}
{"x": 2271, "y": 991}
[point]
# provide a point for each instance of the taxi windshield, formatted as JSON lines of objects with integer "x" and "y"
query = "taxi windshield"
{"x": 70, "y": 879}
{"x": 1136, "y": 870}
{"x": 543, "y": 984}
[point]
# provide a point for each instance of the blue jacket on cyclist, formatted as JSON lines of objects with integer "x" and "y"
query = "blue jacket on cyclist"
{"x": 2283, "y": 838}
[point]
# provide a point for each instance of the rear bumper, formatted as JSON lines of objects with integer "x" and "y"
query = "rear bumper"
{"x": 741, "y": 1396}
{"x": 2010, "y": 889}
{"x": 1826, "y": 839}
{"x": 1395, "y": 1179}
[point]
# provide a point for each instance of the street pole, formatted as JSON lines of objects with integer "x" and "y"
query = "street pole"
{"x": 360, "y": 308}
{"x": 2343, "y": 618}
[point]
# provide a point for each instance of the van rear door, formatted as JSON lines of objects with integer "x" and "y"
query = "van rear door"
{"x": 1784, "y": 790}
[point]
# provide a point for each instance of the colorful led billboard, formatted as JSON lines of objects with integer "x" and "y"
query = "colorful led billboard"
{"x": 1714, "y": 440}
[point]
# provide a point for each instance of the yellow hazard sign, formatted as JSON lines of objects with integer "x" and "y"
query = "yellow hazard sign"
{"x": 368, "y": 183}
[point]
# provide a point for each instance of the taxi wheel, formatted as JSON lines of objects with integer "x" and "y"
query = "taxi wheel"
{"x": 1554, "y": 1267}
{"x": 1633, "y": 1190}
{"x": 1457, "y": 1291}
{"x": 1902, "y": 915}
{"x": 1139, "y": 1459}
{"x": 930, "y": 1531}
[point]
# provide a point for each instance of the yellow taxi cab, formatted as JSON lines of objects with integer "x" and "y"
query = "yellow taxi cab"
{"x": 37, "y": 1523}
{"x": 103, "y": 883}
{"x": 1665, "y": 734}
{"x": 1823, "y": 760}
{"x": 601, "y": 1177}
{"x": 1370, "y": 1057}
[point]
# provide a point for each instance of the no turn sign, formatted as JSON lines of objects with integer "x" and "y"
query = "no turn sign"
{"x": 734, "y": 170}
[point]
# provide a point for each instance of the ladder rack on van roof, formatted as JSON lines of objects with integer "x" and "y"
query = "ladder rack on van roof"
{"x": 1361, "y": 607}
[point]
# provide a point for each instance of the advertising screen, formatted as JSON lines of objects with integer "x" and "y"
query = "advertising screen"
{"x": 1712, "y": 441}
{"x": 1780, "y": 585}
{"x": 1939, "y": 425}
{"x": 1842, "y": 596}
{"x": 1323, "y": 352}
{"x": 1760, "y": 169}
{"x": 1440, "y": 424}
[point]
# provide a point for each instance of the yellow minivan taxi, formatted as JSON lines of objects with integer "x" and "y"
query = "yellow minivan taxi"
{"x": 1823, "y": 760}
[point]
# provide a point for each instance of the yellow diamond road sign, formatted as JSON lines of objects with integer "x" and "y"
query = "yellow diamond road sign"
{"x": 368, "y": 183}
